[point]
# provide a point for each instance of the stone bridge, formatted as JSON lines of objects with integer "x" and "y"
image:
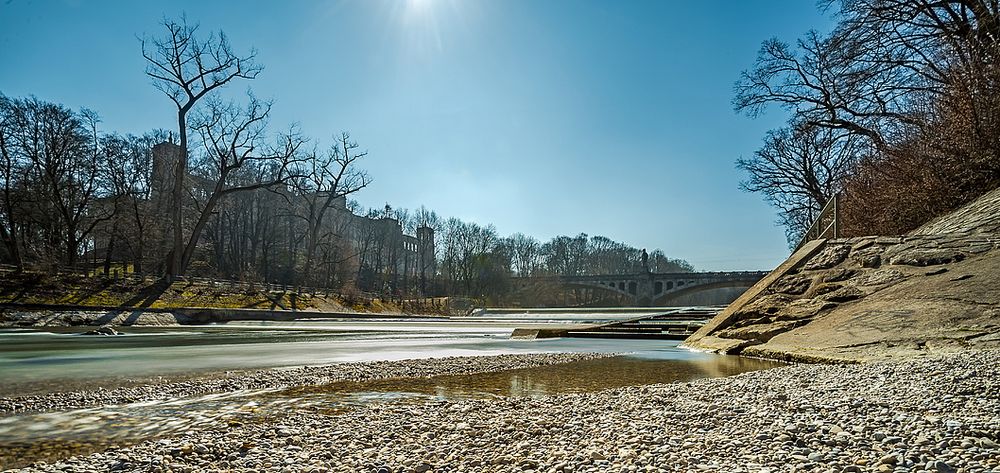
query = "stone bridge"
{"x": 651, "y": 289}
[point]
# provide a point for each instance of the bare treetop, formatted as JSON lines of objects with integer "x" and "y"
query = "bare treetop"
{"x": 186, "y": 68}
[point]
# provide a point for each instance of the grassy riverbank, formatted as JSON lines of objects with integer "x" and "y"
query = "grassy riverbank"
{"x": 926, "y": 414}
{"x": 81, "y": 292}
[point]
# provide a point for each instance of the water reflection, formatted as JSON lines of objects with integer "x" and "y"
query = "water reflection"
{"x": 583, "y": 376}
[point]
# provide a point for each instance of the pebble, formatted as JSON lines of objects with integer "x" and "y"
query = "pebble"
{"x": 910, "y": 415}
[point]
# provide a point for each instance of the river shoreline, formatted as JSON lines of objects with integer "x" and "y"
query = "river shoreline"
{"x": 934, "y": 413}
{"x": 244, "y": 380}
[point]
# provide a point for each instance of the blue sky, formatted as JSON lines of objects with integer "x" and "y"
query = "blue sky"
{"x": 540, "y": 116}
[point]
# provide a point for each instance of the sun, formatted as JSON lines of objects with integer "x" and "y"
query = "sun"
{"x": 416, "y": 4}
{"x": 426, "y": 28}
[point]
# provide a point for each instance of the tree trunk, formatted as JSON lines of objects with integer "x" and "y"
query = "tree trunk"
{"x": 176, "y": 264}
{"x": 10, "y": 241}
{"x": 109, "y": 249}
{"x": 192, "y": 243}
{"x": 139, "y": 253}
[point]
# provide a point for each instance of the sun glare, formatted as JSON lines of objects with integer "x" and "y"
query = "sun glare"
{"x": 422, "y": 22}
{"x": 417, "y": 4}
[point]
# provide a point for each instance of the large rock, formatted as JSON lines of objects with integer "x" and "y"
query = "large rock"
{"x": 768, "y": 305}
{"x": 874, "y": 297}
{"x": 870, "y": 257}
{"x": 102, "y": 330}
{"x": 939, "y": 312}
{"x": 881, "y": 277}
{"x": 844, "y": 294}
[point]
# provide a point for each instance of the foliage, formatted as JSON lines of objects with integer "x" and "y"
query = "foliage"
{"x": 899, "y": 105}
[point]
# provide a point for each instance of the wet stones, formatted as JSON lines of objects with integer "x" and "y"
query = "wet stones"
{"x": 300, "y": 376}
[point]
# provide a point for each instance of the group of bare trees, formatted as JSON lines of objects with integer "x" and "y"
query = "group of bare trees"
{"x": 229, "y": 196}
{"x": 72, "y": 195}
{"x": 226, "y": 197}
{"x": 897, "y": 108}
{"x": 51, "y": 171}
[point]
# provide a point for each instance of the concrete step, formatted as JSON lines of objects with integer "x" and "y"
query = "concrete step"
{"x": 629, "y": 335}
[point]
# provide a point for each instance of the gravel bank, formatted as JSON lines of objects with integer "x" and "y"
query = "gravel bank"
{"x": 921, "y": 415}
{"x": 280, "y": 377}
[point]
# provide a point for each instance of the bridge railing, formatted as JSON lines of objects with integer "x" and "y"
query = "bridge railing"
{"x": 692, "y": 275}
{"x": 826, "y": 224}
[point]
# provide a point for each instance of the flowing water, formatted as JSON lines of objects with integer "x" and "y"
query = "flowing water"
{"x": 34, "y": 361}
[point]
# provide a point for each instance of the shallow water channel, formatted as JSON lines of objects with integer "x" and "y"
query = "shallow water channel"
{"x": 34, "y": 362}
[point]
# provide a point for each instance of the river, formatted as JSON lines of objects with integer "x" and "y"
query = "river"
{"x": 34, "y": 361}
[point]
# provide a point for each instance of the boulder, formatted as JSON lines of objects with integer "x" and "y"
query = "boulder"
{"x": 105, "y": 330}
{"x": 767, "y": 305}
{"x": 760, "y": 332}
{"x": 839, "y": 274}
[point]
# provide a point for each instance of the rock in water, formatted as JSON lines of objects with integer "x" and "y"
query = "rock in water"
{"x": 103, "y": 330}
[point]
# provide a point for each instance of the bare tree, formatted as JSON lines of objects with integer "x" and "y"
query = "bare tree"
{"x": 52, "y": 154}
{"x": 11, "y": 179}
{"x": 129, "y": 163}
{"x": 798, "y": 170}
{"x": 237, "y": 158}
{"x": 911, "y": 82}
{"x": 186, "y": 69}
{"x": 525, "y": 252}
{"x": 329, "y": 178}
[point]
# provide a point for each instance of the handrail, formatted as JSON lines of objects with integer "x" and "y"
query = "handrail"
{"x": 831, "y": 230}
{"x": 688, "y": 275}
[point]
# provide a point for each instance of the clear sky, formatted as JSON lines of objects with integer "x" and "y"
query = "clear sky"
{"x": 540, "y": 116}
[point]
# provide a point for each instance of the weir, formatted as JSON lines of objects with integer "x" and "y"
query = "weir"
{"x": 669, "y": 324}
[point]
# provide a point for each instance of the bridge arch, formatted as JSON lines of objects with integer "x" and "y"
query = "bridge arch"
{"x": 665, "y": 298}
{"x": 646, "y": 289}
{"x": 619, "y": 288}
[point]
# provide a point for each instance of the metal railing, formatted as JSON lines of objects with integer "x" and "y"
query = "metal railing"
{"x": 826, "y": 224}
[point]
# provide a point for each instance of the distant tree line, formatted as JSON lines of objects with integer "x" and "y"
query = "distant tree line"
{"x": 476, "y": 261}
{"x": 224, "y": 196}
{"x": 897, "y": 109}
